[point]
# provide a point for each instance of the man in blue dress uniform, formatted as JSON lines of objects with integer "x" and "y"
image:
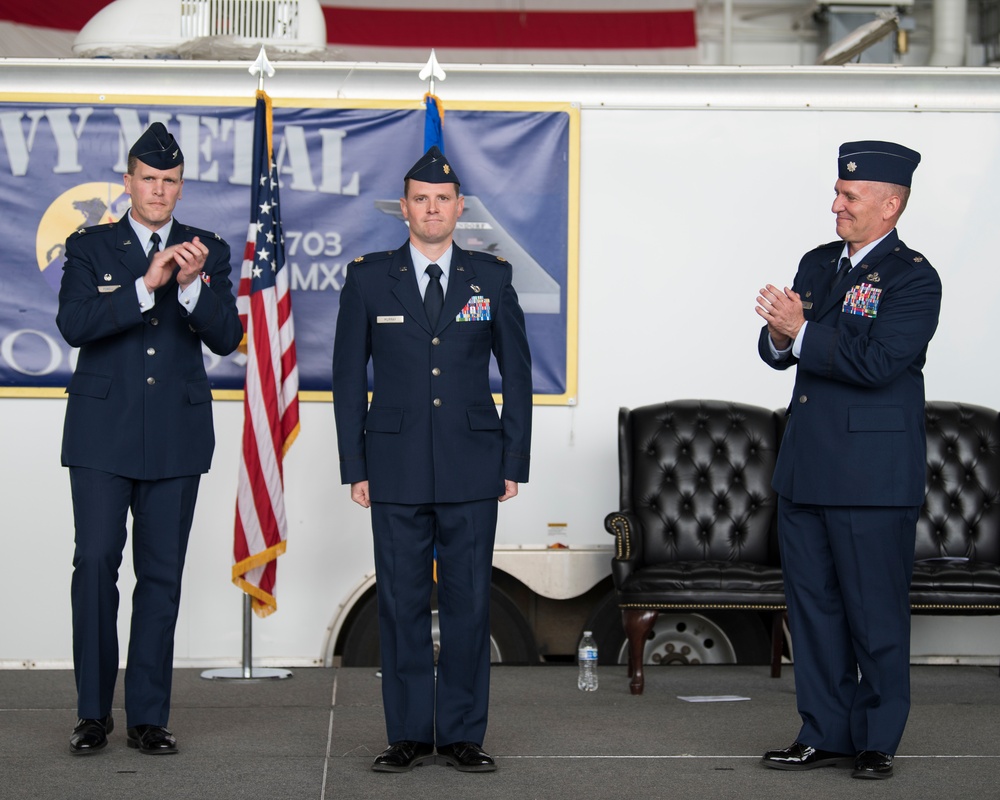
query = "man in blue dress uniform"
{"x": 139, "y": 297}
{"x": 431, "y": 457}
{"x": 851, "y": 466}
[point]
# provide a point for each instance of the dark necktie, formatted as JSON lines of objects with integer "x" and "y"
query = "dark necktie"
{"x": 434, "y": 295}
{"x": 154, "y": 247}
{"x": 840, "y": 277}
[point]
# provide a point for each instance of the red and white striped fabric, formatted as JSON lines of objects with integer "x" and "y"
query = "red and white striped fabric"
{"x": 271, "y": 403}
{"x": 514, "y": 31}
{"x": 461, "y": 31}
{"x": 43, "y": 30}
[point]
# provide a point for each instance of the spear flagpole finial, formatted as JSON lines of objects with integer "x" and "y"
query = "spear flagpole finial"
{"x": 261, "y": 67}
{"x": 432, "y": 69}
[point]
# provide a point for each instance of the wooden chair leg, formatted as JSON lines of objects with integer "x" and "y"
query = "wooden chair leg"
{"x": 638, "y": 623}
{"x": 777, "y": 638}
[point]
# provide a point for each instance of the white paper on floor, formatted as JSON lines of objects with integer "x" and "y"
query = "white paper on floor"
{"x": 712, "y": 698}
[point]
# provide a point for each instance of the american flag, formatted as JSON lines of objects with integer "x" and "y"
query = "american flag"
{"x": 462, "y": 31}
{"x": 503, "y": 32}
{"x": 271, "y": 404}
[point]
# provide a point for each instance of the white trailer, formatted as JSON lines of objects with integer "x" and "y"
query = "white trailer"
{"x": 697, "y": 185}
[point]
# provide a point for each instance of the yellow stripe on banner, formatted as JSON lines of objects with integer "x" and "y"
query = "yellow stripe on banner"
{"x": 264, "y": 603}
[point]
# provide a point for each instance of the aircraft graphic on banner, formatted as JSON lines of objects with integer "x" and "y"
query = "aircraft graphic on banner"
{"x": 477, "y": 229}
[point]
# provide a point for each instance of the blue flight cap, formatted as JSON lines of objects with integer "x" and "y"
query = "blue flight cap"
{"x": 433, "y": 167}
{"x": 884, "y": 162}
{"x": 157, "y": 148}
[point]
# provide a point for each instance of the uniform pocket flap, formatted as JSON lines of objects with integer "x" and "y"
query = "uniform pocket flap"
{"x": 875, "y": 418}
{"x": 199, "y": 392}
{"x": 89, "y": 385}
{"x": 484, "y": 418}
{"x": 384, "y": 420}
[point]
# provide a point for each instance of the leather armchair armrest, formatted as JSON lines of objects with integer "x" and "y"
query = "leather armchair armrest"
{"x": 627, "y": 531}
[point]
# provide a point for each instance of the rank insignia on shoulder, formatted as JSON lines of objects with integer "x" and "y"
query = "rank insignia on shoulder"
{"x": 359, "y": 259}
{"x": 918, "y": 259}
{"x": 873, "y": 277}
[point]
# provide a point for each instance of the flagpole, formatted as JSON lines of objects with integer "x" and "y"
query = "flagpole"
{"x": 247, "y": 672}
{"x": 260, "y": 67}
{"x": 432, "y": 69}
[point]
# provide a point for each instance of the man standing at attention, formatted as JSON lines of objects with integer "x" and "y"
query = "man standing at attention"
{"x": 139, "y": 297}
{"x": 431, "y": 457}
{"x": 851, "y": 467}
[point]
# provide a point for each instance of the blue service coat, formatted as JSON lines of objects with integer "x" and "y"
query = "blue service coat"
{"x": 140, "y": 404}
{"x": 855, "y": 428}
{"x": 432, "y": 433}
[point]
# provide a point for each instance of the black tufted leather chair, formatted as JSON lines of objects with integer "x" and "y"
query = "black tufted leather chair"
{"x": 694, "y": 527}
{"x": 957, "y": 569}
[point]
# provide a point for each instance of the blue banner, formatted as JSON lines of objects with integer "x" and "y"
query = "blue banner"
{"x": 341, "y": 172}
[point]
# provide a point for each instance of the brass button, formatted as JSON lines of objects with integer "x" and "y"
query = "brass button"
{"x": 151, "y": 351}
{"x": 435, "y": 341}
{"x": 803, "y": 399}
{"x": 154, "y": 321}
{"x": 436, "y": 371}
{"x": 150, "y": 380}
{"x": 437, "y": 402}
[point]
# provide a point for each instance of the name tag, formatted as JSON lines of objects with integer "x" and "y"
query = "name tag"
{"x": 105, "y": 289}
{"x": 383, "y": 320}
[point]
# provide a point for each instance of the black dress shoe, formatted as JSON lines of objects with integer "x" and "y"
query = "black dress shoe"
{"x": 872, "y": 764}
{"x": 90, "y": 735}
{"x": 466, "y": 757}
{"x": 802, "y": 756}
{"x": 152, "y": 740}
{"x": 403, "y": 756}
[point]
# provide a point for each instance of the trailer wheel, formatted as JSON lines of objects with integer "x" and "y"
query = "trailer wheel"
{"x": 511, "y": 640}
{"x": 684, "y": 637}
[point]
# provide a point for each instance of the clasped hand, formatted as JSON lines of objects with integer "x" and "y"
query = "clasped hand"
{"x": 186, "y": 260}
{"x": 782, "y": 311}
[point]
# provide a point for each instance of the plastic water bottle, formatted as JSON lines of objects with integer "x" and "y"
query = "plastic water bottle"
{"x": 586, "y": 656}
